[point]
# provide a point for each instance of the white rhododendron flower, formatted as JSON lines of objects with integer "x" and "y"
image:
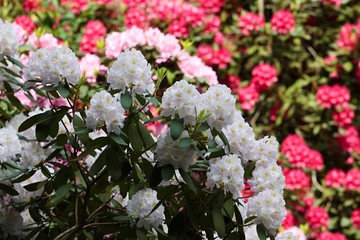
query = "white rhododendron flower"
{"x": 131, "y": 72}
{"x": 269, "y": 208}
{"x": 52, "y": 65}
{"x": 226, "y": 173}
{"x": 10, "y": 144}
{"x": 267, "y": 177}
{"x": 9, "y": 42}
{"x": 287, "y": 236}
{"x": 241, "y": 138}
{"x": 221, "y": 104}
{"x": 169, "y": 152}
{"x": 182, "y": 99}
{"x": 140, "y": 206}
{"x": 104, "y": 108}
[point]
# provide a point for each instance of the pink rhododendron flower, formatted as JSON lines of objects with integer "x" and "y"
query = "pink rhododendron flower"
{"x": 26, "y": 23}
{"x": 333, "y": 96}
{"x": 248, "y": 97}
{"x": 348, "y": 37}
{"x": 93, "y": 33}
{"x": 336, "y": 3}
{"x": 355, "y": 218}
{"x": 335, "y": 178}
{"x": 76, "y": 6}
{"x": 331, "y": 236}
{"x": 263, "y": 76}
{"x": 250, "y": 22}
{"x": 90, "y": 66}
{"x": 349, "y": 141}
{"x": 47, "y": 40}
{"x": 300, "y": 235}
{"x": 282, "y": 21}
{"x": 352, "y": 179}
{"x": 135, "y": 17}
{"x": 343, "y": 117}
{"x": 296, "y": 179}
{"x": 317, "y": 218}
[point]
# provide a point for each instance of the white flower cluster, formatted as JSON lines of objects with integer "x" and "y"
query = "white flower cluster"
{"x": 269, "y": 208}
{"x": 169, "y": 152}
{"x": 24, "y": 195}
{"x": 52, "y": 66}
{"x": 221, "y": 104}
{"x": 287, "y": 236}
{"x": 140, "y": 206}
{"x": 226, "y": 173}
{"x": 32, "y": 153}
{"x": 11, "y": 222}
{"x": 9, "y": 144}
{"x": 131, "y": 72}
{"x": 9, "y": 43}
{"x": 241, "y": 138}
{"x": 182, "y": 99}
{"x": 267, "y": 177}
{"x": 104, "y": 108}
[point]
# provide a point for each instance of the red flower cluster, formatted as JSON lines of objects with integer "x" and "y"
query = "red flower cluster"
{"x": 333, "y": 96}
{"x": 299, "y": 154}
{"x": 282, "y": 22}
{"x": 317, "y": 218}
{"x": 331, "y": 236}
{"x": 220, "y": 57}
{"x": 289, "y": 220}
{"x": 335, "y": 178}
{"x": 355, "y": 218}
{"x": 343, "y": 117}
{"x": 26, "y": 23}
{"x": 348, "y": 37}
{"x": 211, "y": 6}
{"x": 135, "y": 17}
{"x": 349, "y": 141}
{"x": 352, "y": 180}
{"x": 296, "y": 179}
{"x": 94, "y": 32}
{"x": 263, "y": 77}
{"x": 250, "y": 22}
{"x": 76, "y": 6}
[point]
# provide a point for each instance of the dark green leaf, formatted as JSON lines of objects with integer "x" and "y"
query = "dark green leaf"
{"x": 126, "y": 100}
{"x": 167, "y": 172}
{"x": 185, "y": 142}
{"x": 176, "y": 128}
{"x": 113, "y": 163}
{"x": 9, "y": 190}
{"x": 59, "y": 196}
{"x": 261, "y": 231}
{"x": 135, "y": 138}
{"x": 218, "y": 220}
{"x": 187, "y": 179}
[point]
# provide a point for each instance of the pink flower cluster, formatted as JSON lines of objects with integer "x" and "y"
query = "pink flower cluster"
{"x": 91, "y": 66}
{"x": 336, "y": 178}
{"x": 211, "y": 6}
{"x": 355, "y": 218}
{"x": 336, "y": 3}
{"x": 76, "y": 6}
{"x": 349, "y": 36}
{"x": 331, "y": 236}
{"x": 26, "y": 23}
{"x": 317, "y": 218}
{"x": 299, "y": 154}
{"x": 349, "y": 140}
{"x": 167, "y": 46}
{"x": 250, "y": 22}
{"x": 282, "y": 22}
{"x": 333, "y": 96}
{"x": 180, "y": 15}
{"x": 263, "y": 77}
{"x": 296, "y": 179}
{"x": 220, "y": 57}
{"x": 343, "y": 117}
{"x": 94, "y": 32}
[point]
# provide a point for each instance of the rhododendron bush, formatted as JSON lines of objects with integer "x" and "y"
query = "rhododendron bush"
{"x": 151, "y": 119}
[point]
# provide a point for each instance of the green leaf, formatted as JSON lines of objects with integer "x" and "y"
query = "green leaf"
{"x": 113, "y": 163}
{"x": 249, "y": 219}
{"x": 15, "y": 61}
{"x": 187, "y": 180}
{"x": 218, "y": 220}
{"x": 35, "y": 186}
{"x": 156, "y": 177}
{"x": 135, "y": 138}
{"x": 59, "y": 196}
{"x": 117, "y": 139}
{"x": 80, "y": 129}
{"x": 63, "y": 90}
{"x": 185, "y": 142}
{"x": 9, "y": 190}
{"x": 98, "y": 164}
{"x": 176, "y": 128}
{"x": 261, "y": 231}
{"x": 126, "y": 100}
{"x": 167, "y": 172}
{"x": 61, "y": 140}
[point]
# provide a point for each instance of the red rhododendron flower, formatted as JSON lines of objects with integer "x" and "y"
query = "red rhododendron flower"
{"x": 331, "y": 236}
{"x": 352, "y": 180}
{"x": 248, "y": 97}
{"x": 250, "y": 22}
{"x": 289, "y": 220}
{"x": 335, "y": 178}
{"x": 349, "y": 141}
{"x": 348, "y": 37}
{"x": 296, "y": 179}
{"x": 343, "y": 117}
{"x": 135, "y": 17}
{"x": 333, "y": 96}
{"x": 355, "y": 218}
{"x": 317, "y": 218}
{"x": 282, "y": 22}
{"x": 26, "y": 23}
{"x": 263, "y": 76}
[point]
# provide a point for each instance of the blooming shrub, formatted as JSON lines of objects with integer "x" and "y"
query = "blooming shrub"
{"x": 299, "y": 70}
